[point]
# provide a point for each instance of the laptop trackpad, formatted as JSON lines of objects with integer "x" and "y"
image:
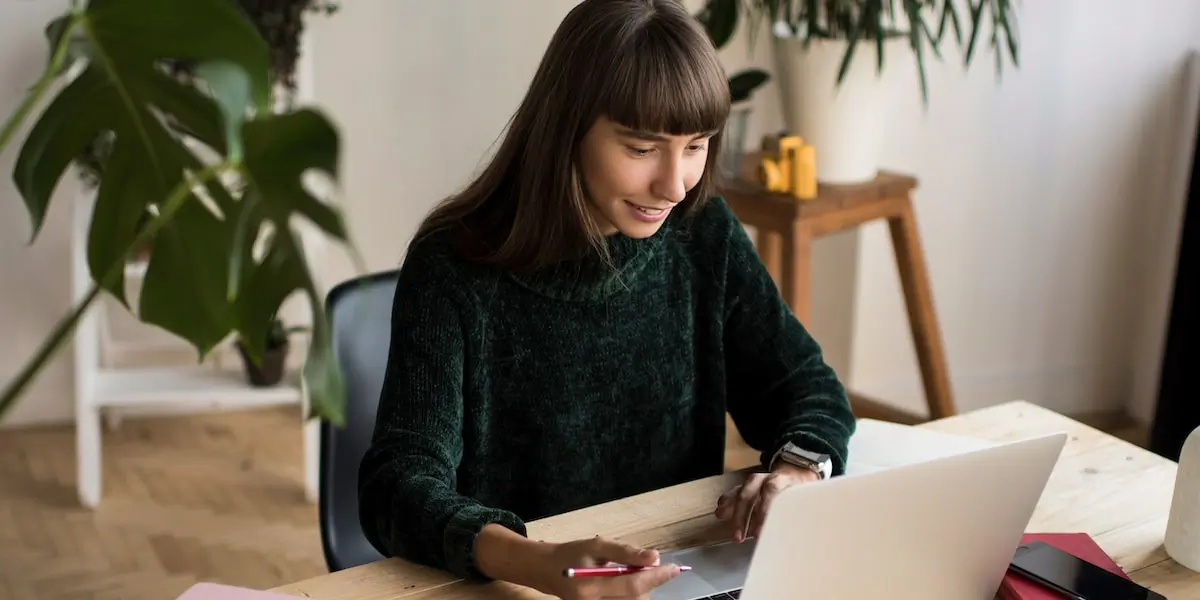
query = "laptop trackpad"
{"x": 714, "y": 569}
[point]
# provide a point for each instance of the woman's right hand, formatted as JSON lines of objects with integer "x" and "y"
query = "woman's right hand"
{"x": 599, "y": 552}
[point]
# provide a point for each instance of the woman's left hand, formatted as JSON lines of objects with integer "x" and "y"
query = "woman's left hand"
{"x": 745, "y": 506}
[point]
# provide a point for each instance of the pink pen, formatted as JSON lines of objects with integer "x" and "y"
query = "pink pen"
{"x": 608, "y": 571}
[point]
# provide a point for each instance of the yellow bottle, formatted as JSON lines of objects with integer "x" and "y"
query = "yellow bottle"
{"x": 775, "y": 170}
{"x": 804, "y": 186}
{"x": 792, "y": 170}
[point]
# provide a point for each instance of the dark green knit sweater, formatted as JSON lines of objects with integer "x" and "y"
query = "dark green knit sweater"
{"x": 512, "y": 398}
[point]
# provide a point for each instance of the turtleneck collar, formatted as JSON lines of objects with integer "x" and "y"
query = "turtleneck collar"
{"x": 590, "y": 278}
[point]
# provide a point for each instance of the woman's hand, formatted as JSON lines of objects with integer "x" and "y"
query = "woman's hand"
{"x": 745, "y": 506}
{"x": 598, "y": 552}
{"x": 505, "y": 555}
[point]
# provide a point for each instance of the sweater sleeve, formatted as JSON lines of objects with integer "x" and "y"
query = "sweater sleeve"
{"x": 408, "y": 503}
{"x": 780, "y": 387}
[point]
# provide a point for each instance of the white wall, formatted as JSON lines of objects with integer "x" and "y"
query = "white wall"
{"x": 34, "y": 279}
{"x": 432, "y": 86}
{"x": 1034, "y": 205}
{"x": 1030, "y": 199}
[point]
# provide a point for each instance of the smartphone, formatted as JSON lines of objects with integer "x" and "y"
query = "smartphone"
{"x": 1073, "y": 576}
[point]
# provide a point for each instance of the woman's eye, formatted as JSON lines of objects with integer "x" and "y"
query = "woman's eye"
{"x": 696, "y": 148}
{"x": 640, "y": 151}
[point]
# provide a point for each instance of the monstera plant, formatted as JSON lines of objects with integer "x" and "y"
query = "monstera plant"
{"x": 215, "y": 166}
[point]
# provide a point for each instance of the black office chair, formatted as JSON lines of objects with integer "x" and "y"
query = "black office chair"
{"x": 360, "y": 315}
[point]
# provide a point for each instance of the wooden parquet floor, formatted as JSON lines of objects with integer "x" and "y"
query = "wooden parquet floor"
{"x": 186, "y": 499}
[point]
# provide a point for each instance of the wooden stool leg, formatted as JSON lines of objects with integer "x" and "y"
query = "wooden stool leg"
{"x": 797, "y": 271}
{"x": 910, "y": 260}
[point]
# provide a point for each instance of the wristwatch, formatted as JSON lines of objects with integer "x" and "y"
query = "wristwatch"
{"x": 792, "y": 454}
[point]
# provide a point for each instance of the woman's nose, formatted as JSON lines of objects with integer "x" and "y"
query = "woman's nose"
{"x": 670, "y": 184}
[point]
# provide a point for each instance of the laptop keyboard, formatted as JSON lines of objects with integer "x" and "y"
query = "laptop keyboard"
{"x": 730, "y": 595}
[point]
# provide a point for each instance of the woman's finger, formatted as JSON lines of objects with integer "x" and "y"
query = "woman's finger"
{"x": 605, "y": 550}
{"x": 771, "y": 488}
{"x": 745, "y": 501}
{"x": 726, "y": 503}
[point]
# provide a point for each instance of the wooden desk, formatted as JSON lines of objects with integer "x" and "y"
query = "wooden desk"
{"x": 1106, "y": 487}
{"x": 786, "y": 228}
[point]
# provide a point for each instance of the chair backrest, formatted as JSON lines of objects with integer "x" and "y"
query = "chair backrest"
{"x": 360, "y": 316}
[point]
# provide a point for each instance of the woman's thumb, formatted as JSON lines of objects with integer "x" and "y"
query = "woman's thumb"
{"x": 613, "y": 551}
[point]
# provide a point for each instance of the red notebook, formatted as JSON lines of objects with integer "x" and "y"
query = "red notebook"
{"x": 1016, "y": 587}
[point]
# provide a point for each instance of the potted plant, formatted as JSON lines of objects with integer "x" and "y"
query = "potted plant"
{"x": 720, "y": 20}
{"x": 270, "y": 366}
{"x": 183, "y": 96}
{"x": 830, "y": 57}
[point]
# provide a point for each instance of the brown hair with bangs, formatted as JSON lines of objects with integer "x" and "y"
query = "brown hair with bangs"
{"x": 645, "y": 64}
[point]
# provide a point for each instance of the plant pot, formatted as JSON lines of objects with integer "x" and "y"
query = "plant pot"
{"x": 844, "y": 123}
{"x": 270, "y": 372}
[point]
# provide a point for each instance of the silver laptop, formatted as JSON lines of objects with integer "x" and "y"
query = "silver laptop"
{"x": 939, "y": 529}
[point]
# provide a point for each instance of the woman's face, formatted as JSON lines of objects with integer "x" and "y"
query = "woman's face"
{"x": 634, "y": 179}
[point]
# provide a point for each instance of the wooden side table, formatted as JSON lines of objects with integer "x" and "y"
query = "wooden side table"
{"x": 786, "y": 228}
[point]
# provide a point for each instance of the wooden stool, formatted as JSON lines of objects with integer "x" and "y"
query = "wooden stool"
{"x": 786, "y": 228}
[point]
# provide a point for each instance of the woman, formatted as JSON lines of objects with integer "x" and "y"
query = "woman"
{"x": 573, "y": 327}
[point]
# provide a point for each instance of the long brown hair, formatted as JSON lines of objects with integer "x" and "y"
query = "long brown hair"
{"x": 645, "y": 64}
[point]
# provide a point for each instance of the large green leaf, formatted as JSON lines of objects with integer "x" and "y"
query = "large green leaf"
{"x": 125, "y": 42}
{"x": 189, "y": 266}
{"x": 720, "y": 20}
{"x": 128, "y": 34}
{"x": 265, "y": 285}
{"x": 280, "y": 152}
{"x": 322, "y": 378}
{"x": 183, "y": 290}
{"x": 742, "y": 84}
